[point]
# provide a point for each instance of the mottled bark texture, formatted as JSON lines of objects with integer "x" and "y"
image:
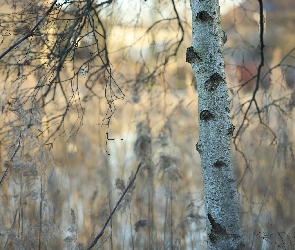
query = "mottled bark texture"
{"x": 216, "y": 129}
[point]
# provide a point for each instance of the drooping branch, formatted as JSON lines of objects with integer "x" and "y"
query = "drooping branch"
{"x": 30, "y": 32}
{"x": 7, "y": 164}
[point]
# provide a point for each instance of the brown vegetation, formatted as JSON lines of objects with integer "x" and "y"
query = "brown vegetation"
{"x": 60, "y": 198}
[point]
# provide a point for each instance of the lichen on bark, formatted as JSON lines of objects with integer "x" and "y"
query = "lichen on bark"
{"x": 206, "y": 57}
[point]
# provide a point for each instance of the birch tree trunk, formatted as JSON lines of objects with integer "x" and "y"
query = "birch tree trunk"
{"x": 206, "y": 58}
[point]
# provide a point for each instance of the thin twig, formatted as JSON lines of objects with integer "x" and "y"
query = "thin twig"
{"x": 13, "y": 155}
{"x": 104, "y": 241}
{"x": 115, "y": 208}
{"x": 30, "y": 33}
{"x": 258, "y": 79}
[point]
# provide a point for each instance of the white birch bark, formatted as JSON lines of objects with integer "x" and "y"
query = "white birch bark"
{"x": 206, "y": 58}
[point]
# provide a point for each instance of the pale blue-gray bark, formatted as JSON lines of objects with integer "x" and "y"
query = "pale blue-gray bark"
{"x": 206, "y": 58}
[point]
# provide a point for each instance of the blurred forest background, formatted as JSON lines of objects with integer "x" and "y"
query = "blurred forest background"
{"x": 87, "y": 107}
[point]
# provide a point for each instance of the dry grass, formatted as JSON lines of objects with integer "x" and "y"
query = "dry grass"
{"x": 76, "y": 195}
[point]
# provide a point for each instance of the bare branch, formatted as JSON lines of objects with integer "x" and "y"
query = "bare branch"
{"x": 114, "y": 210}
{"x": 261, "y": 64}
{"x": 30, "y": 33}
{"x": 11, "y": 158}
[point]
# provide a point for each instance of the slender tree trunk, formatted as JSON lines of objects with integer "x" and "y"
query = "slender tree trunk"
{"x": 206, "y": 58}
